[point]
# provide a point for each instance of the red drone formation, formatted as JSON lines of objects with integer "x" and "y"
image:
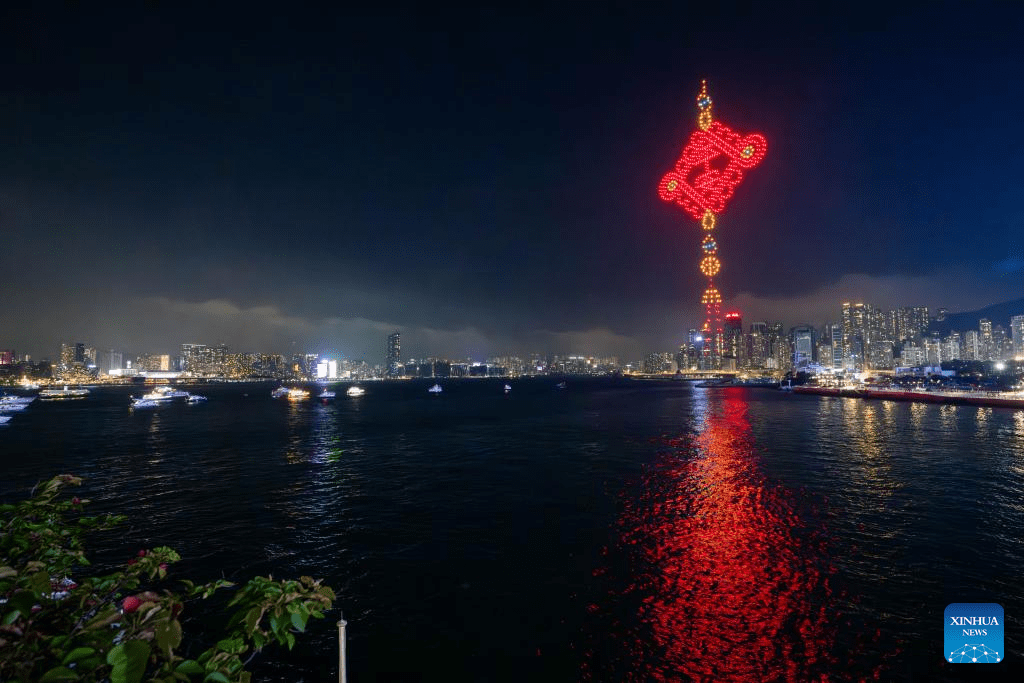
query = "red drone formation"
{"x": 703, "y": 181}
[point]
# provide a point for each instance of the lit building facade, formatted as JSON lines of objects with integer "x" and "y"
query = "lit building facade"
{"x": 1017, "y": 336}
{"x": 394, "y": 355}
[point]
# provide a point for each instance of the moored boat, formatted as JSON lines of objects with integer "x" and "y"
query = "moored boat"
{"x": 355, "y": 391}
{"x": 436, "y": 389}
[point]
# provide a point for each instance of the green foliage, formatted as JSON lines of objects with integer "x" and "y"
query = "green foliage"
{"x": 122, "y": 627}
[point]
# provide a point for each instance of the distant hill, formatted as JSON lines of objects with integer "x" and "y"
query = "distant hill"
{"x": 999, "y": 314}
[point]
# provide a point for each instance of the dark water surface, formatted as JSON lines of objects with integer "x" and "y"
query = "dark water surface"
{"x": 613, "y": 530}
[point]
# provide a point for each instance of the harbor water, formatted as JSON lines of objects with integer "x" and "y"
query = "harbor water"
{"x": 608, "y": 530}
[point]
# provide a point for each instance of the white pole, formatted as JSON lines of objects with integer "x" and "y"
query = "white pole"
{"x": 342, "y": 667}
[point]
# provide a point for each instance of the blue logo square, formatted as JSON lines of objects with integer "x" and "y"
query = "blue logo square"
{"x": 973, "y": 633}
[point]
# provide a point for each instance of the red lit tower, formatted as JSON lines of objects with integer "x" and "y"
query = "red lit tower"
{"x": 703, "y": 181}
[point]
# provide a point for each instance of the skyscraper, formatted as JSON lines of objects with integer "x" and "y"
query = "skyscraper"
{"x": 1017, "y": 333}
{"x": 733, "y": 340}
{"x": 985, "y": 338}
{"x": 803, "y": 346}
{"x": 394, "y": 354}
{"x": 856, "y": 319}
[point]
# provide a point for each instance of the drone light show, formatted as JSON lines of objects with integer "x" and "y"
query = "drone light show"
{"x": 702, "y": 182}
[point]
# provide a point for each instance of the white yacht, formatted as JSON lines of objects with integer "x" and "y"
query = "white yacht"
{"x": 4, "y": 419}
{"x": 280, "y": 392}
{"x": 355, "y": 391}
{"x": 144, "y": 403}
{"x": 195, "y": 398}
{"x": 436, "y": 389}
{"x": 508, "y": 388}
{"x": 165, "y": 393}
{"x": 326, "y": 395}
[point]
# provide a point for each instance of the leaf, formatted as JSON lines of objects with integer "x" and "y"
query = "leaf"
{"x": 216, "y": 676}
{"x": 189, "y": 666}
{"x": 128, "y": 660}
{"x": 299, "y": 621}
{"x": 60, "y": 673}
{"x": 21, "y": 601}
{"x": 77, "y": 653}
{"x": 7, "y": 572}
{"x": 168, "y": 635}
{"x": 40, "y": 581}
{"x": 252, "y": 618}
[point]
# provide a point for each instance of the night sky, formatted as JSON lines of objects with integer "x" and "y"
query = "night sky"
{"x": 485, "y": 179}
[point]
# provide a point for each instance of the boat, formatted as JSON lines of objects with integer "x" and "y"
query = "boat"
{"x": 195, "y": 398}
{"x": 16, "y": 399}
{"x": 12, "y": 406}
{"x": 144, "y": 403}
{"x": 326, "y": 395}
{"x": 4, "y": 419}
{"x": 355, "y": 391}
{"x": 65, "y": 393}
{"x": 280, "y": 392}
{"x": 165, "y": 393}
{"x": 561, "y": 385}
{"x": 508, "y": 388}
{"x": 297, "y": 394}
{"x": 436, "y": 389}
{"x": 787, "y": 387}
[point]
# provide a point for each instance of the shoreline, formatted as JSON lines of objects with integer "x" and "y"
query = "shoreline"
{"x": 984, "y": 399}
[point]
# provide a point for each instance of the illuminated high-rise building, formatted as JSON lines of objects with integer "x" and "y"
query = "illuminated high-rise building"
{"x": 985, "y": 338}
{"x": 972, "y": 346}
{"x": 757, "y": 346}
{"x": 67, "y": 356}
{"x": 1017, "y": 335}
{"x": 803, "y": 346}
{"x": 856, "y": 335}
{"x": 951, "y": 347}
{"x": 733, "y": 346}
{"x": 193, "y": 358}
{"x": 394, "y": 355}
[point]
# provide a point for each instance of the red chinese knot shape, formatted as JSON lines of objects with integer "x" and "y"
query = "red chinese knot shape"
{"x": 710, "y": 168}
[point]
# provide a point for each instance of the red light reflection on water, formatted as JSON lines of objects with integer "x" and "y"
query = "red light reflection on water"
{"x": 727, "y": 582}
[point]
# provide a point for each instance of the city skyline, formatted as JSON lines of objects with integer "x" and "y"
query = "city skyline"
{"x": 484, "y": 181}
{"x": 866, "y": 336}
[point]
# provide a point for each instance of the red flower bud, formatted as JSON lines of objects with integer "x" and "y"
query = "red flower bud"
{"x": 76, "y": 501}
{"x": 132, "y": 561}
{"x": 142, "y": 553}
{"x": 130, "y": 604}
{"x": 163, "y": 565}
